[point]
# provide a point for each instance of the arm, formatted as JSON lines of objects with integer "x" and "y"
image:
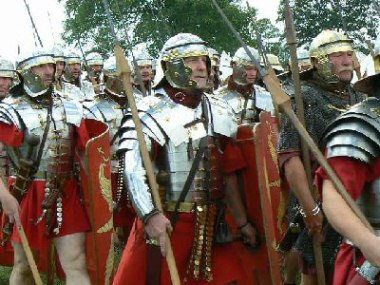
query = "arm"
{"x": 346, "y": 223}
{"x": 238, "y": 211}
{"x": 296, "y": 177}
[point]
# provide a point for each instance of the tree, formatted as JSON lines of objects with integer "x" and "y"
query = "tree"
{"x": 350, "y": 16}
{"x": 153, "y": 22}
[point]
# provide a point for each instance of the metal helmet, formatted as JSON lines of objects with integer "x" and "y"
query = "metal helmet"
{"x": 112, "y": 81}
{"x": 172, "y": 54}
{"x": 58, "y": 53}
{"x": 94, "y": 58}
{"x": 273, "y": 61}
{"x": 72, "y": 57}
{"x": 143, "y": 58}
{"x": 241, "y": 60}
{"x": 215, "y": 57}
{"x": 328, "y": 42}
{"x": 32, "y": 83}
{"x": 7, "y": 69}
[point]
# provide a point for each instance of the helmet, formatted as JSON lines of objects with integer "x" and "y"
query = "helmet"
{"x": 32, "y": 82}
{"x": 58, "y": 53}
{"x": 174, "y": 50}
{"x": 143, "y": 58}
{"x": 72, "y": 57}
{"x": 7, "y": 69}
{"x": 241, "y": 61}
{"x": 274, "y": 62}
{"x": 94, "y": 58}
{"x": 215, "y": 57}
{"x": 112, "y": 81}
{"x": 328, "y": 42}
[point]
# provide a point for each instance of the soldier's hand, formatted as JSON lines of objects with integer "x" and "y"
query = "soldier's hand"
{"x": 314, "y": 224}
{"x": 249, "y": 235}
{"x": 157, "y": 228}
{"x": 11, "y": 207}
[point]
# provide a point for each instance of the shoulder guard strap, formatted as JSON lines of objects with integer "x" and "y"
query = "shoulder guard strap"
{"x": 9, "y": 114}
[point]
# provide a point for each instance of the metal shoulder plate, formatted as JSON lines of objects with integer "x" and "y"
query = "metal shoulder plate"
{"x": 356, "y": 133}
{"x": 8, "y": 113}
{"x": 71, "y": 91}
{"x": 233, "y": 98}
{"x": 73, "y": 109}
{"x": 223, "y": 119}
{"x": 263, "y": 99}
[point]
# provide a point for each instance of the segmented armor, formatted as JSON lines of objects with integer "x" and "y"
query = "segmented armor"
{"x": 247, "y": 107}
{"x": 160, "y": 117}
{"x": 57, "y": 160}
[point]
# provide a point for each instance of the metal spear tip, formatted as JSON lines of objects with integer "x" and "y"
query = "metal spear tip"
{"x": 32, "y": 140}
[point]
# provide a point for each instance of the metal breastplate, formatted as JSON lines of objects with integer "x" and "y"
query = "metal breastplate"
{"x": 58, "y": 151}
{"x": 369, "y": 203}
{"x": 207, "y": 180}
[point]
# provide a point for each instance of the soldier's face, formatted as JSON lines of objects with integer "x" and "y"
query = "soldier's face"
{"x": 146, "y": 72}
{"x": 74, "y": 69}
{"x": 46, "y": 73}
{"x": 5, "y": 84}
{"x": 60, "y": 65}
{"x": 251, "y": 74}
{"x": 198, "y": 65}
{"x": 343, "y": 65}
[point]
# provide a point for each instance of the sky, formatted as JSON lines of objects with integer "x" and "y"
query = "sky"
{"x": 48, "y": 17}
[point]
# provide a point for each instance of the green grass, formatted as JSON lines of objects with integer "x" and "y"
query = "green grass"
{"x": 5, "y": 272}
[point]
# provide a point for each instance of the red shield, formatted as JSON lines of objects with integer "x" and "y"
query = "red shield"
{"x": 97, "y": 191}
{"x": 261, "y": 184}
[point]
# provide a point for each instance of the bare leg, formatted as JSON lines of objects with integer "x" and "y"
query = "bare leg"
{"x": 291, "y": 267}
{"x": 309, "y": 279}
{"x": 72, "y": 255}
{"x": 21, "y": 272}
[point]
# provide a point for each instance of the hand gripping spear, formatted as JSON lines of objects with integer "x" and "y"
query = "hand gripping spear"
{"x": 292, "y": 43}
{"x": 125, "y": 72}
{"x": 282, "y": 102}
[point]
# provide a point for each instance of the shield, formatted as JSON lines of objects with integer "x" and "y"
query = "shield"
{"x": 271, "y": 198}
{"x": 255, "y": 140}
{"x": 97, "y": 194}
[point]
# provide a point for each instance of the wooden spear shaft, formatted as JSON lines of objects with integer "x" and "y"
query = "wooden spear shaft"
{"x": 125, "y": 73}
{"x": 29, "y": 255}
{"x": 292, "y": 43}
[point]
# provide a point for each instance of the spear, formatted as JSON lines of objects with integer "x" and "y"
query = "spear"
{"x": 292, "y": 43}
{"x": 33, "y": 25}
{"x": 282, "y": 102}
{"x": 125, "y": 72}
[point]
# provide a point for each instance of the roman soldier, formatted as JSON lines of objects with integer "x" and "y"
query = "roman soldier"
{"x": 41, "y": 132}
{"x": 189, "y": 135}
{"x": 72, "y": 74}
{"x": 327, "y": 92}
{"x": 248, "y": 100}
{"x": 94, "y": 62}
{"x": 351, "y": 149}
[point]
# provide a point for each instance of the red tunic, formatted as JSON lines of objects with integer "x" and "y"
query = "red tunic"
{"x": 75, "y": 218}
{"x": 226, "y": 266}
{"x": 354, "y": 175}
